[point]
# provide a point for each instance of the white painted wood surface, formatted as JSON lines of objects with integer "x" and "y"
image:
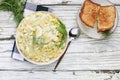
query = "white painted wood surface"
{"x": 65, "y": 1}
{"x": 38, "y": 75}
{"x": 83, "y": 54}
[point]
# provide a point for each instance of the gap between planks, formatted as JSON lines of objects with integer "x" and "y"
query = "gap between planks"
{"x": 35, "y": 75}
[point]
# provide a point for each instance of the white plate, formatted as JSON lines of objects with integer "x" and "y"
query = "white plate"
{"x": 92, "y": 32}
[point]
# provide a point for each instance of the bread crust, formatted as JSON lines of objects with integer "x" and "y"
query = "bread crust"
{"x": 106, "y": 18}
{"x": 93, "y": 16}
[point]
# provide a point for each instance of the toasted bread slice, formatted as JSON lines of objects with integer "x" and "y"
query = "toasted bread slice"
{"x": 89, "y": 13}
{"x": 106, "y": 18}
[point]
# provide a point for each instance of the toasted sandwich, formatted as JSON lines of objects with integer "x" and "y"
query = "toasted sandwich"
{"x": 106, "y": 18}
{"x": 89, "y": 13}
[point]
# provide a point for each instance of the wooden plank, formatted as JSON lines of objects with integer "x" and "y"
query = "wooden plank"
{"x": 77, "y": 57}
{"x": 66, "y": 13}
{"x": 83, "y": 54}
{"x": 35, "y": 75}
{"x": 85, "y": 42}
{"x": 75, "y": 61}
{"x": 93, "y": 57}
{"x": 65, "y": 1}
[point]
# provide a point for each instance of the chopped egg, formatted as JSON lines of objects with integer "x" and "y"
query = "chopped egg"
{"x": 38, "y": 37}
{"x": 38, "y": 31}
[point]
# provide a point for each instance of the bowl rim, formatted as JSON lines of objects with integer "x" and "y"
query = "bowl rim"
{"x": 43, "y": 63}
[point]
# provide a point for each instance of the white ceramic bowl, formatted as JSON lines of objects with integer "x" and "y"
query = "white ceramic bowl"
{"x": 41, "y": 63}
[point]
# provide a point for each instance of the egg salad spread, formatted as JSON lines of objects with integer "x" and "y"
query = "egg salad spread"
{"x": 41, "y": 37}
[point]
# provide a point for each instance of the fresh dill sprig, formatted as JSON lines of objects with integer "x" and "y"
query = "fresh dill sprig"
{"x": 16, "y": 6}
{"x": 62, "y": 29}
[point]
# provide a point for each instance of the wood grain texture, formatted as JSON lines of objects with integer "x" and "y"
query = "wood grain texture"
{"x": 65, "y": 1}
{"x": 35, "y": 75}
{"x": 83, "y": 54}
